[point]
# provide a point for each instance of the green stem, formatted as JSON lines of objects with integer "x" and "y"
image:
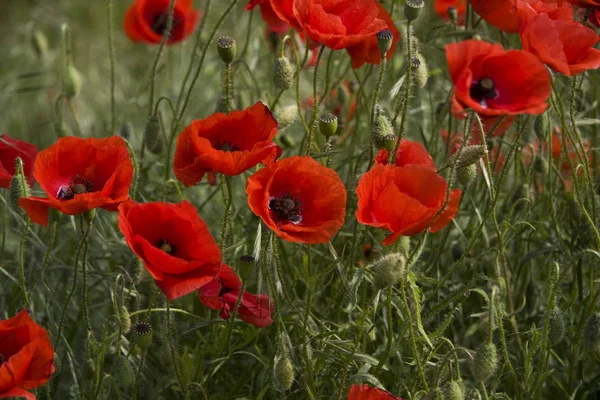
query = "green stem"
{"x": 226, "y": 181}
{"x": 413, "y": 341}
{"x": 379, "y": 83}
{"x": 22, "y": 261}
{"x": 228, "y": 88}
{"x": 404, "y": 103}
{"x": 46, "y": 255}
{"x": 4, "y": 226}
{"x": 138, "y": 375}
{"x": 174, "y": 355}
{"x": 313, "y": 122}
{"x": 390, "y": 333}
{"x": 111, "y": 55}
{"x": 311, "y": 288}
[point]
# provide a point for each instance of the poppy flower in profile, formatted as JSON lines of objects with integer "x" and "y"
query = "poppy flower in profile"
{"x": 299, "y": 199}
{"x": 441, "y": 8}
{"x": 275, "y": 23}
{"x": 173, "y": 243}
{"x": 146, "y": 20}
{"x": 10, "y": 149}
{"x": 226, "y": 143}
{"x": 366, "y": 392}
{"x": 566, "y": 46}
{"x": 79, "y": 175}
{"x": 492, "y": 81}
{"x": 338, "y": 24}
{"x": 222, "y": 293}
{"x": 367, "y": 51}
{"x": 405, "y": 198}
{"x": 26, "y": 356}
{"x": 285, "y": 11}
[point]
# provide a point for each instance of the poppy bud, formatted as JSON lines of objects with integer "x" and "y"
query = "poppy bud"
{"x": 556, "y": 329}
{"x": 328, "y": 124}
{"x": 124, "y": 373}
{"x": 421, "y": 72}
{"x": 469, "y": 155}
{"x": 71, "y": 82}
{"x": 39, "y": 44}
{"x": 540, "y": 165}
{"x": 61, "y": 129}
{"x": 522, "y": 192}
{"x": 227, "y": 49}
{"x": 591, "y": 333}
{"x": 381, "y": 128}
{"x": 452, "y": 14}
{"x": 286, "y": 140}
{"x": 485, "y": 362}
{"x": 285, "y": 116}
{"x": 384, "y": 40}
{"x": 18, "y": 187}
{"x": 125, "y": 131}
{"x": 412, "y": 9}
{"x": 125, "y": 320}
{"x": 142, "y": 334}
{"x": 152, "y": 135}
{"x": 388, "y": 270}
{"x": 540, "y": 126}
{"x": 283, "y": 73}
{"x": 454, "y": 391}
{"x": 435, "y": 394}
{"x": 284, "y": 373}
{"x": 466, "y": 175}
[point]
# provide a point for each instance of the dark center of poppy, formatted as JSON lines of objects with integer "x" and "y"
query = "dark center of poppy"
{"x": 287, "y": 208}
{"x": 226, "y": 146}
{"x": 159, "y": 25}
{"x": 78, "y": 185}
{"x": 3, "y": 359}
{"x": 166, "y": 246}
{"x": 483, "y": 90}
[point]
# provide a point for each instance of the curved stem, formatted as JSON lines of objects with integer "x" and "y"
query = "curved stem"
{"x": 378, "y": 87}
{"x": 313, "y": 122}
{"x": 111, "y": 55}
{"x": 22, "y": 261}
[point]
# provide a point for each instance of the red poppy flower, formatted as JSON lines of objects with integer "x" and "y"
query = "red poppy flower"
{"x": 79, "y": 175}
{"x": 492, "y": 81}
{"x": 408, "y": 153}
{"x": 338, "y": 24}
{"x": 26, "y": 356}
{"x": 366, "y": 392}
{"x": 367, "y": 51}
{"x": 275, "y": 23}
{"x": 404, "y": 198}
{"x": 585, "y": 3}
{"x": 222, "y": 293}
{"x": 299, "y": 199}
{"x": 226, "y": 144}
{"x": 10, "y": 149}
{"x": 567, "y": 47}
{"x": 285, "y": 11}
{"x": 146, "y": 20}
{"x": 509, "y": 15}
{"x": 441, "y": 8}
{"x": 173, "y": 242}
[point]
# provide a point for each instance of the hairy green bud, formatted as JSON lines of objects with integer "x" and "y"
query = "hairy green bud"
{"x": 283, "y": 73}
{"x": 466, "y": 175}
{"x": 285, "y": 116}
{"x": 454, "y": 391}
{"x": 125, "y": 320}
{"x": 152, "y": 136}
{"x": 540, "y": 165}
{"x": 485, "y": 362}
{"x": 556, "y": 329}
{"x": 380, "y": 129}
{"x": 421, "y": 72}
{"x": 18, "y": 187}
{"x": 284, "y": 373}
{"x": 469, "y": 155}
{"x": 388, "y": 270}
{"x": 540, "y": 127}
{"x": 124, "y": 374}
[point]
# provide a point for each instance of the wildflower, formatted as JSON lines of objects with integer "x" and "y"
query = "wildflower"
{"x": 226, "y": 144}
{"x": 299, "y": 199}
{"x": 26, "y": 356}
{"x": 146, "y": 21}
{"x": 268, "y": 15}
{"x": 174, "y": 244}
{"x": 79, "y": 175}
{"x": 442, "y": 8}
{"x": 366, "y": 392}
{"x": 10, "y": 149}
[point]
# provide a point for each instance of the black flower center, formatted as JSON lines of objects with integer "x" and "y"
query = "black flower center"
{"x": 166, "y": 246}
{"x": 483, "y": 90}
{"x": 226, "y": 146}
{"x": 159, "y": 25}
{"x": 286, "y": 208}
{"x": 78, "y": 185}
{"x": 3, "y": 359}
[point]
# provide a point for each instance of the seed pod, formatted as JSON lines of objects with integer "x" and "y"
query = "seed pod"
{"x": 384, "y": 40}
{"x": 227, "y": 49}
{"x": 152, "y": 136}
{"x": 454, "y": 391}
{"x": 388, "y": 270}
{"x": 285, "y": 116}
{"x": 71, "y": 82}
{"x": 540, "y": 165}
{"x": 380, "y": 129}
{"x": 452, "y": 14}
{"x": 283, "y": 73}
{"x": 142, "y": 334}
{"x": 556, "y": 329}
{"x": 485, "y": 362}
{"x": 412, "y": 9}
{"x": 125, "y": 320}
{"x": 124, "y": 374}
{"x": 591, "y": 333}
{"x": 388, "y": 142}
{"x": 284, "y": 373}
{"x": 328, "y": 124}
{"x": 466, "y": 175}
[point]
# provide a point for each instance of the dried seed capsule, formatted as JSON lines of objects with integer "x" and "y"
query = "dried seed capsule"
{"x": 384, "y": 40}
{"x": 142, "y": 334}
{"x": 328, "y": 124}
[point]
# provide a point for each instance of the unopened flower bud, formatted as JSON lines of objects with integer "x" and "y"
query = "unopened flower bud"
{"x": 18, "y": 187}
{"x": 388, "y": 270}
{"x": 152, "y": 136}
{"x": 328, "y": 124}
{"x": 284, "y": 373}
{"x": 227, "y": 48}
{"x": 591, "y": 333}
{"x": 485, "y": 362}
{"x": 540, "y": 127}
{"x": 556, "y": 329}
{"x": 380, "y": 128}
{"x": 384, "y": 40}
{"x": 142, "y": 334}
{"x": 89, "y": 369}
{"x": 540, "y": 165}
{"x": 469, "y": 155}
{"x": 39, "y": 44}
{"x": 285, "y": 116}
{"x": 421, "y": 72}
{"x": 71, "y": 82}
{"x": 125, "y": 320}
{"x": 89, "y": 215}
{"x": 283, "y": 73}
{"x": 412, "y": 9}
{"x": 452, "y": 14}
{"x": 466, "y": 175}
{"x": 454, "y": 391}
{"x": 124, "y": 374}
